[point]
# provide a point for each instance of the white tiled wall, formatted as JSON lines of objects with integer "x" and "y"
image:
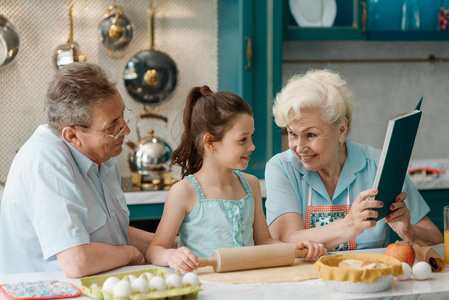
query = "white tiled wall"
{"x": 384, "y": 89}
{"x": 185, "y": 29}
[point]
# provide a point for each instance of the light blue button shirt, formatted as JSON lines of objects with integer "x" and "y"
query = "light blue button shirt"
{"x": 55, "y": 199}
{"x": 287, "y": 184}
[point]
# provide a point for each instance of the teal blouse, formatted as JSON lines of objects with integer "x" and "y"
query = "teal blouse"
{"x": 288, "y": 185}
{"x": 218, "y": 223}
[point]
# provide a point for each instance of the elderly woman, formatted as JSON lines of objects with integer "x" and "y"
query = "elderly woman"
{"x": 318, "y": 189}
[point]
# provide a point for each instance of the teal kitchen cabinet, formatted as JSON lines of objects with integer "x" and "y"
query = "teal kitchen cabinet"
{"x": 436, "y": 199}
{"x": 350, "y": 23}
{"x": 250, "y": 65}
{"x": 372, "y": 20}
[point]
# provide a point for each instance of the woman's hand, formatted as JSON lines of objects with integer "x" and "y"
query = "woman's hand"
{"x": 314, "y": 250}
{"x": 399, "y": 218}
{"x": 182, "y": 259}
{"x": 361, "y": 215}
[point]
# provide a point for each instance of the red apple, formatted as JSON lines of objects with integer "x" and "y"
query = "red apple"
{"x": 403, "y": 252}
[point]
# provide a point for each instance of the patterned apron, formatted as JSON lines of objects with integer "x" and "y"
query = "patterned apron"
{"x": 323, "y": 215}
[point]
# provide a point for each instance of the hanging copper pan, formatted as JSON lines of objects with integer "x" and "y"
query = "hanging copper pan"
{"x": 115, "y": 31}
{"x": 9, "y": 41}
{"x": 151, "y": 76}
{"x": 67, "y": 53}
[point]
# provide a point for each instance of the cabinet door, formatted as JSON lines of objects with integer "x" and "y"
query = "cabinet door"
{"x": 405, "y": 20}
{"x": 250, "y": 65}
{"x": 325, "y": 20}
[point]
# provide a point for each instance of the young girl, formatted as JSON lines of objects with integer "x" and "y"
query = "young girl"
{"x": 214, "y": 206}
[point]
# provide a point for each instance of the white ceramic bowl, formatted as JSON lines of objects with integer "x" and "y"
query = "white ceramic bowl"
{"x": 379, "y": 285}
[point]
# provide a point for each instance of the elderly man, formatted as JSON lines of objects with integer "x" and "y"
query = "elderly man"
{"x": 63, "y": 207}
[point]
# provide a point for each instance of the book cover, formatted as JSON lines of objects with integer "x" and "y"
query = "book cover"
{"x": 395, "y": 158}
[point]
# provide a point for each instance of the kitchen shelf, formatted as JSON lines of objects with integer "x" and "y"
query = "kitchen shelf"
{"x": 351, "y": 24}
{"x": 412, "y": 35}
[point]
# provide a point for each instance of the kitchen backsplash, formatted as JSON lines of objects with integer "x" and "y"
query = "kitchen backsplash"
{"x": 184, "y": 29}
{"x": 387, "y": 78}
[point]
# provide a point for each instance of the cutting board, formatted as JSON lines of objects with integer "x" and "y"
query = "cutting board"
{"x": 299, "y": 271}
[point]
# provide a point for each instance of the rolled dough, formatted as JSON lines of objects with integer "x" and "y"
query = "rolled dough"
{"x": 299, "y": 271}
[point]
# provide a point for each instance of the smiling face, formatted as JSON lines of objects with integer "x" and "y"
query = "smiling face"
{"x": 316, "y": 143}
{"x": 235, "y": 148}
{"x": 107, "y": 118}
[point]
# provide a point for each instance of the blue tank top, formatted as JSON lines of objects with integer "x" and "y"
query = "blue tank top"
{"x": 218, "y": 223}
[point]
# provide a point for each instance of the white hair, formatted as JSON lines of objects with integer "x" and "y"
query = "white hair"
{"x": 321, "y": 91}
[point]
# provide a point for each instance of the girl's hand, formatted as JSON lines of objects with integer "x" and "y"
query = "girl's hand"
{"x": 315, "y": 250}
{"x": 183, "y": 259}
{"x": 361, "y": 215}
{"x": 399, "y": 218}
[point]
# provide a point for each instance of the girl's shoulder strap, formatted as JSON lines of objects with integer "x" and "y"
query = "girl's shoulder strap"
{"x": 244, "y": 182}
{"x": 196, "y": 185}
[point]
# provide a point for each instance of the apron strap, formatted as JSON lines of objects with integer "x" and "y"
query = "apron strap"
{"x": 309, "y": 203}
{"x": 348, "y": 201}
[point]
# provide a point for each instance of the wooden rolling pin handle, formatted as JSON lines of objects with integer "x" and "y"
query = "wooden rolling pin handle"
{"x": 301, "y": 253}
{"x": 204, "y": 262}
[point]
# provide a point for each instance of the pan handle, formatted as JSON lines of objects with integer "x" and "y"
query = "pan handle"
{"x": 150, "y": 16}
{"x": 149, "y": 115}
{"x": 70, "y": 41}
{"x": 152, "y": 116}
{"x": 112, "y": 7}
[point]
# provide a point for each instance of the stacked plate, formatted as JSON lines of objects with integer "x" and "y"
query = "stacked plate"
{"x": 313, "y": 13}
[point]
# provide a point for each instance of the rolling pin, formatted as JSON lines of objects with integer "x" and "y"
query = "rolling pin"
{"x": 252, "y": 257}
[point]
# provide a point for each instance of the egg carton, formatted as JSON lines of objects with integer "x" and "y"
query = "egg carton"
{"x": 92, "y": 287}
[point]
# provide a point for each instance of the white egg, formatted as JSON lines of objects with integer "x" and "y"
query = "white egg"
{"x": 140, "y": 285}
{"x": 131, "y": 278}
{"x": 147, "y": 276}
{"x": 109, "y": 283}
{"x": 174, "y": 281}
{"x": 421, "y": 270}
{"x": 122, "y": 289}
{"x": 407, "y": 271}
{"x": 191, "y": 278}
{"x": 158, "y": 283}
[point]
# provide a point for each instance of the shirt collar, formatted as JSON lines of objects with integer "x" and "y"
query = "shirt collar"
{"x": 355, "y": 162}
{"x": 85, "y": 164}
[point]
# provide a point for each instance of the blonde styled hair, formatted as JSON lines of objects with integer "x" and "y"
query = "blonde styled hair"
{"x": 321, "y": 91}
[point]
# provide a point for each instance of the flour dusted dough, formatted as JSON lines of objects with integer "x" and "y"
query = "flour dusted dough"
{"x": 299, "y": 271}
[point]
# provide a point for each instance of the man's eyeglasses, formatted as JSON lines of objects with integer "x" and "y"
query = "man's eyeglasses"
{"x": 127, "y": 115}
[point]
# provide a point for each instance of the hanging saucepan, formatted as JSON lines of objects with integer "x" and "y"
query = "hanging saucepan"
{"x": 67, "y": 53}
{"x": 152, "y": 154}
{"x": 9, "y": 41}
{"x": 151, "y": 76}
{"x": 115, "y": 31}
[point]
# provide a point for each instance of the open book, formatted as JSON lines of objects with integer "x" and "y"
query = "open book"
{"x": 395, "y": 158}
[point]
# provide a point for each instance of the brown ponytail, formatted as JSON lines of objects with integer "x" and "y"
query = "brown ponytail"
{"x": 205, "y": 112}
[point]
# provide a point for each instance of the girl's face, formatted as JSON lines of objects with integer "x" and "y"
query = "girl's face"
{"x": 315, "y": 142}
{"x": 234, "y": 149}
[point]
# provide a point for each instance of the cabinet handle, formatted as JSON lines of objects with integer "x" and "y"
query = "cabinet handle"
{"x": 363, "y": 4}
{"x": 249, "y": 52}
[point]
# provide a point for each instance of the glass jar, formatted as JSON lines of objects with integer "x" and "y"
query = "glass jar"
{"x": 410, "y": 15}
{"x": 443, "y": 15}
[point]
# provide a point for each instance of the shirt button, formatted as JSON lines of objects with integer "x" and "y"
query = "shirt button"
{"x": 93, "y": 223}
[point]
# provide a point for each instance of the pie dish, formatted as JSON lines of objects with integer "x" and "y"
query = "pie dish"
{"x": 358, "y": 280}
{"x": 313, "y": 13}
